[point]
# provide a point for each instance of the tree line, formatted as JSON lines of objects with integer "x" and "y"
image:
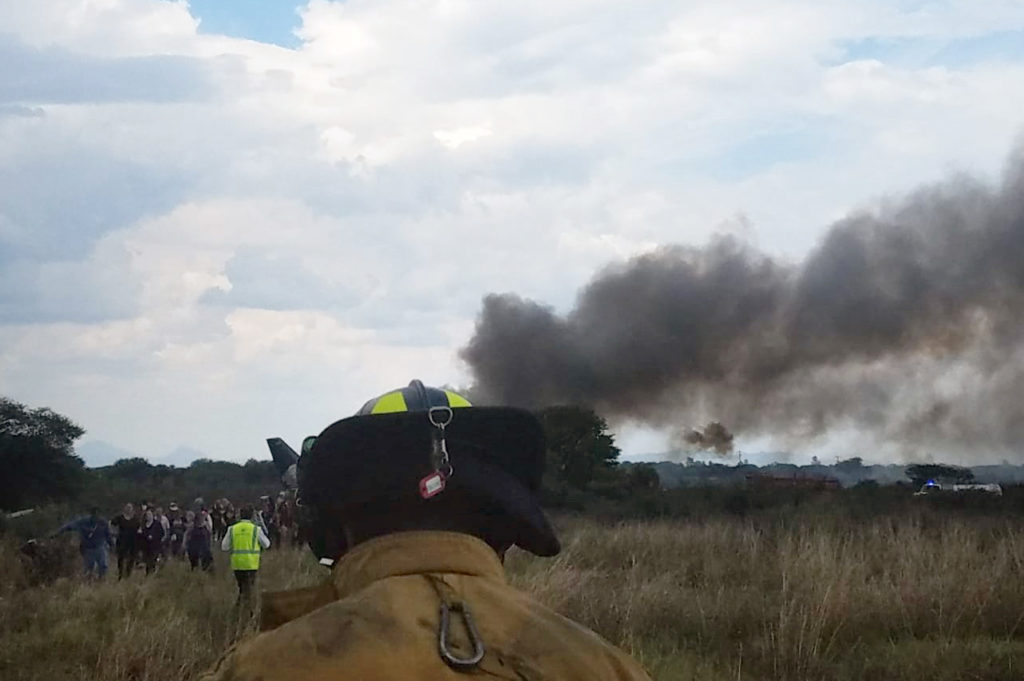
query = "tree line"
{"x": 583, "y": 471}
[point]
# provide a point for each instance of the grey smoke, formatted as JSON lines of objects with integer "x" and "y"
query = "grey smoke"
{"x": 905, "y": 323}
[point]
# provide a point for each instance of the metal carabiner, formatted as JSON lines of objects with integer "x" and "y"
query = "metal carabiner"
{"x": 440, "y": 417}
{"x": 444, "y": 420}
{"x": 460, "y": 664}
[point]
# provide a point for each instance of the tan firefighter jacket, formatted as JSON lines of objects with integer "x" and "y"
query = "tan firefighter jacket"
{"x": 378, "y": 619}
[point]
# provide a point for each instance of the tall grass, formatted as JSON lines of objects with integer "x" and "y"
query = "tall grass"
{"x": 729, "y": 599}
{"x": 906, "y": 598}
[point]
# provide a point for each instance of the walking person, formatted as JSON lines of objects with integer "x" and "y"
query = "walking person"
{"x": 177, "y": 532}
{"x": 203, "y": 516}
{"x": 230, "y": 516}
{"x": 245, "y": 540}
{"x": 198, "y": 543}
{"x": 261, "y": 519}
{"x": 151, "y": 541}
{"x": 126, "y": 526}
{"x": 165, "y": 523}
{"x": 270, "y": 521}
{"x": 217, "y": 516}
{"x": 93, "y": 539}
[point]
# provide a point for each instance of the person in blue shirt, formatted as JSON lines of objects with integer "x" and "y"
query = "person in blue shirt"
{"x": 94, "y": 539}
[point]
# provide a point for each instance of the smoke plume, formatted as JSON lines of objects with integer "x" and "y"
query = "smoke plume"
{"x": 904, "y": 325}
{"x": 714, "y": 438}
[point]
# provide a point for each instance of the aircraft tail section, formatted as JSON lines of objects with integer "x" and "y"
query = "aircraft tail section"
{"x": 285, "y": 459}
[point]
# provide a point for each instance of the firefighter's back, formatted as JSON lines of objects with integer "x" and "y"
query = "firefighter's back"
{"x": 387, "y": 628}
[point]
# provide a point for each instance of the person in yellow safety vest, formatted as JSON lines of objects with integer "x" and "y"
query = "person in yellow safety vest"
{"x": 245, "y": 540}
{"x": 413, "y": 502}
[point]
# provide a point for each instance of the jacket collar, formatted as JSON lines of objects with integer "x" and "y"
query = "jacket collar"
{"x": 409, "y": 553}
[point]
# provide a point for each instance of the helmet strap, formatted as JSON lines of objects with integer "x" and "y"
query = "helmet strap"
{"x": 435, "y": 482}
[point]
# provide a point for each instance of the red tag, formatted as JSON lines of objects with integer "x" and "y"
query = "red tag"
{"x": 432, "y": 485}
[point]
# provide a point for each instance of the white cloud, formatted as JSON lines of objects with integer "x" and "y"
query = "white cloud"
{"x": 213, "y": 235}
{"x": 102, "y": 26}
{"x": 456, "y": 137}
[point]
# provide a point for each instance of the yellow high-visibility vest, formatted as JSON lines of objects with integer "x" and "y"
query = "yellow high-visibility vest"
{"x": 245, "y": 546}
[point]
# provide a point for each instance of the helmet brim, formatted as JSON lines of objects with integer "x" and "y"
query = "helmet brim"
{"x": 522, "y": 507}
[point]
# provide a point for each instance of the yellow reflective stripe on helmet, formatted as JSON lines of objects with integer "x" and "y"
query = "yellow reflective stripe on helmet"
{"x": 456, "y": 400}
{"x": 389, "y": 403}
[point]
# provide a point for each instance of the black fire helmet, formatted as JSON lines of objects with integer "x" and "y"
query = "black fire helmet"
{"x": 384, "y": 453}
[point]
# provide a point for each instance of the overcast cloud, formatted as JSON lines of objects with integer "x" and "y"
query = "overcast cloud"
{"x": 207, "y": 240}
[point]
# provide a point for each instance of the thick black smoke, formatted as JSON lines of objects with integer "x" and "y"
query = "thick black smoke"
{"x": 906, "y": 323}
{"x": 713, "y": 438}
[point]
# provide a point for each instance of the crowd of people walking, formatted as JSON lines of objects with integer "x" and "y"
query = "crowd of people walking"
{"x": 146, "y": 537}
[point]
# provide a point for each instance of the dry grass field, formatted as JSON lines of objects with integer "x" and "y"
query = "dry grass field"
{"x": 909, "y": 599}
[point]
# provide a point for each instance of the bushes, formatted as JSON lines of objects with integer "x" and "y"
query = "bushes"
{"x": 615, "y": 498}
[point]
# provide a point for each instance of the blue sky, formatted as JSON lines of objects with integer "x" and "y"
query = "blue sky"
{"x": 207, "y": 240}
{"x": 268, "y": 21}
{"x": 997, "y": 46}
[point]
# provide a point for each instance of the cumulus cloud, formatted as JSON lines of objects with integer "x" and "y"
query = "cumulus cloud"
{"x": 55, "y": 76}
{"x": 56, "y": 206}
{"x": 195, "y": 225}
{"x": 65, "y": 291}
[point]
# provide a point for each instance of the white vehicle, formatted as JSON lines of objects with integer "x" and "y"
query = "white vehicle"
{"x": 932, "y": 487}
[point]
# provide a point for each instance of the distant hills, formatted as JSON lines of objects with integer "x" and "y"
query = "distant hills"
{"x": 97, "y": 454}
